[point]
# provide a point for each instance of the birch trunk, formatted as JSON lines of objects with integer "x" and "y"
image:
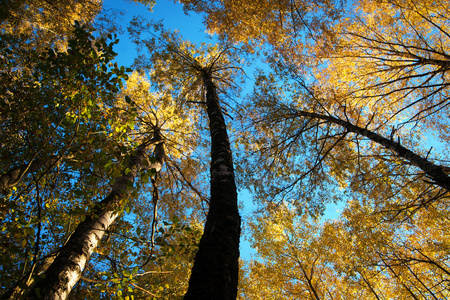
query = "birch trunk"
{"x": 66, "y": 270}
{"x": 215, "y": 271}
{"x": 433, "y": 171}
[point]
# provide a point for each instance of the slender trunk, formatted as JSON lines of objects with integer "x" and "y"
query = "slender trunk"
{"x": 367, "y": 282}
{"x": 433, "y": 171}
{"x": 215, "y": 271}
{"x": 312, "y": 289}
{"x": 430, "y": 261}
{"x": 408, "y": 266}
{"x": 17, "y": 291}
{"x": 13, "y": 176}
{"x": 400, "y": 280}
{"x": 66, "y": 270}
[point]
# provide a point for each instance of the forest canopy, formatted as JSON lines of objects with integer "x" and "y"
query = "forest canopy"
{"x": 127, "y": 182}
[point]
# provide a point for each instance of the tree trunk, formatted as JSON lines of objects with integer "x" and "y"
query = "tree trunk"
{"x": 215, "y": 271}
{"x": 13, "y": 176}
{"x": 66, "y": 270}
{"x": 433, "y": 171}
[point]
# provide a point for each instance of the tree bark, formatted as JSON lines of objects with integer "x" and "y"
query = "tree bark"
{"x": 216, "y": 265}
{"x": 66, "y": 270}
{"x": 13, "y": 176}
{"x": 433, "y": 171}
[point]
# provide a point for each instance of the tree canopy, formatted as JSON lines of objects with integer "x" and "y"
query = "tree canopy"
{"x": 122, "y": 182}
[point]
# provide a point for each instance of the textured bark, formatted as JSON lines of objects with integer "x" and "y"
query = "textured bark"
{"x": 13, "y": 177}
{"x": 66, "y": 270}
{"x": 312, "y": 289}
{"x": 433, "y": 171}
{"x": 370, "y": 286}
{"x": 215, "y": 271}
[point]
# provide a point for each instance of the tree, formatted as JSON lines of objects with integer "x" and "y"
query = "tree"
{"x": 354, "y": 257}
{"x": 291, "y": 260}
{"x": 215, "y": 270}
{"x": 382, "y": 68}
{"x": 143, "y": 256}
{"x": 57, "y": 137}
{"x": 75, "y": 137}
{"x": 66, "y": 269}
{"x": 128, "y": 122}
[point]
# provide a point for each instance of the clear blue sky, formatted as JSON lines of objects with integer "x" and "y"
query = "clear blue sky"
{"x": 190, "y": 26}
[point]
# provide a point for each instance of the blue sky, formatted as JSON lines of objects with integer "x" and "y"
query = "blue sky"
{"x": 190, "y": 26}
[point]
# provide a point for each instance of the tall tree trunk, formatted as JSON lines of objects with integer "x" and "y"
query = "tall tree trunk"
{"x": 433, "y": 171}
{"x": 215, "y": 271}
{"x": 66, "y": 270}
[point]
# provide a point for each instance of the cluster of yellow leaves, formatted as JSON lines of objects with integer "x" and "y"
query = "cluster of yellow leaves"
{"x": 359, "y": 256}
{"x": 48, "y": 22}
{"x": 389, "y": 59}
{"x": 145, "y": 108}
{"x": 159, "y": 110}
{"x": 260, "y": 22}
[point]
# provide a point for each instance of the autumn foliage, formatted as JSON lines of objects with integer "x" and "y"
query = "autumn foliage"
{"x": 121, "y": 183}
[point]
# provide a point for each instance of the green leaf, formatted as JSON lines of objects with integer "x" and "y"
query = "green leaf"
{"x": 108, "y": 165}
